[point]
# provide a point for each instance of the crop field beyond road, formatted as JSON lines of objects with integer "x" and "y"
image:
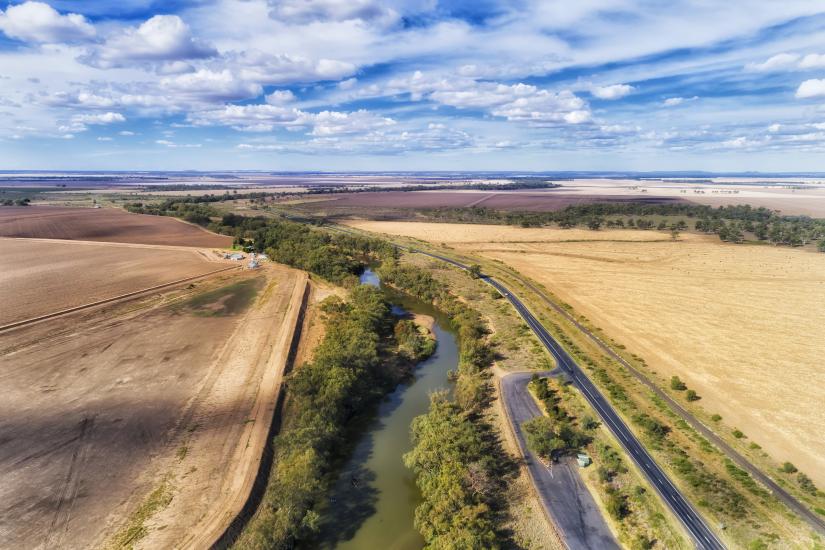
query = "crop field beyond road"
{"x": 743, "y": 326}
{"x": 103, "y": 224}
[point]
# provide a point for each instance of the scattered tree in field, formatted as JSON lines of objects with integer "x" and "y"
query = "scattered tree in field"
{"x": 677, "y": 384}
{"x": 789, "y": 468}
{"x": 475, "y": 271}
{"x": 738, "y": 434}
{"x": 821, "y": 245}
{"x": 691, "y": 395}
{"x": 716, "y": 417}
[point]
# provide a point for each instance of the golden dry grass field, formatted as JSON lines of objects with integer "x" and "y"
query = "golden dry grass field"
{"x": 742, "y": 325}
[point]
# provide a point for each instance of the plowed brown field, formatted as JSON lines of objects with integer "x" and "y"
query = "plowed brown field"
{"x": 40, "y": 277}
{"x": 138, "y": 424}
{"x": 103, "y": 224}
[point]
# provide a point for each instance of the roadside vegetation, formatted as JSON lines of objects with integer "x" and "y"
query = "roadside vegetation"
{"x": 569, "y": 427}
{"x": 748, "y": 513}
{"x": 358, "y": 361}
{"x": 736, "y": 224}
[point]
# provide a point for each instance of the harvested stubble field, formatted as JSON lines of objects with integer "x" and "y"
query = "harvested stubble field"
{"x": 138, "y": 423}
{"x": 742, "y": 325}
{"x": 103, "y": 224}
{"x": 38, "y": 277}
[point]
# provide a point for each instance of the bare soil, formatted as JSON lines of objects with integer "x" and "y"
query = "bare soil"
{"x": 742, "y": 325}
{"x": 103, "y": 224}
{"x": 104, "y": 407}
{"x": 39, "y": 277}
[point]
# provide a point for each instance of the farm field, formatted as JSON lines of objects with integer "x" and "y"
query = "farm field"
{"x": 39, "y": 276}
{"x": 140, "y": 423}
{"x": 744, "y": 326}
{"x": 103, "y": 224}
{"x": 553, "y": 199}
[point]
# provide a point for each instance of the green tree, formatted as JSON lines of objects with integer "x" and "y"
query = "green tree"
{"x": 617, "y": 505}
{"x": 677, "y": 384}
{"x": 541, "y": 437}
{"x": 789, "y": 468}
{"x": 805, "y": 483}
{"x": 474, "y": 271}
{"x": 594, "y": 223}
{"x": 691, "y": 395}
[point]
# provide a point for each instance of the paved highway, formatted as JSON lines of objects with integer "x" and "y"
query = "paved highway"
{"x": 702, "y": 535}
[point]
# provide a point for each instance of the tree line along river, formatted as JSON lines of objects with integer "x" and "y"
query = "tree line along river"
{"x": 372, "y": 504}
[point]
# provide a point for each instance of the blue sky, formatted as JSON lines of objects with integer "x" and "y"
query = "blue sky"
{"x": 413, "y": 84}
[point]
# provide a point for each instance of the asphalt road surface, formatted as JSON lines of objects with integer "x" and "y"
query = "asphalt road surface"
{"x": 560, "y": 487}
{"x": 702, "y": 535}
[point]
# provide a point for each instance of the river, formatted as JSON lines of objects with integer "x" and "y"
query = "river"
{"x": 373, "y": 501}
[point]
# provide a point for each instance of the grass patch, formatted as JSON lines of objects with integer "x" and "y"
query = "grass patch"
{"x": 226, "y": 300}
{"x": 136, "y": 528}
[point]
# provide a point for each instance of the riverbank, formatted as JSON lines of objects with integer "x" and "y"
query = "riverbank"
{"x": 372, "y": 502}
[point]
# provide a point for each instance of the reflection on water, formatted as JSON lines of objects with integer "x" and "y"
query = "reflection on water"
{"x": 373, "y": 502}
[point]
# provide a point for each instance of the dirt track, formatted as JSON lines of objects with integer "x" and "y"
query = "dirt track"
{"x": 103, "y": 224}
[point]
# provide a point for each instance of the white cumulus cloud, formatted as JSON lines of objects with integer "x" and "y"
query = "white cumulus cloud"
{"x": 39, "y": 22}
{"x": 614, "y": 91}
{"x": 208, "y": 85}
{"x": 99, "y": 118}
{"x": 814, "y": 87}
{"x": 275, "y": 69}
{"x": 163, "y": 38}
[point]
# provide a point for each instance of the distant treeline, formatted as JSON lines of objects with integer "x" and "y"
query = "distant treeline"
{"x": 15, "y": 202}
{"x": 339, "y": 258}
{"x": 460, "y": 466}
{"x": 352, "y": 369}
{"x": 521, "y": 183}
{"x": 731, "y": 223}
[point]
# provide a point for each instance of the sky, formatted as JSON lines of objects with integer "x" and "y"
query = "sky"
{"x": 635, "y": 85}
